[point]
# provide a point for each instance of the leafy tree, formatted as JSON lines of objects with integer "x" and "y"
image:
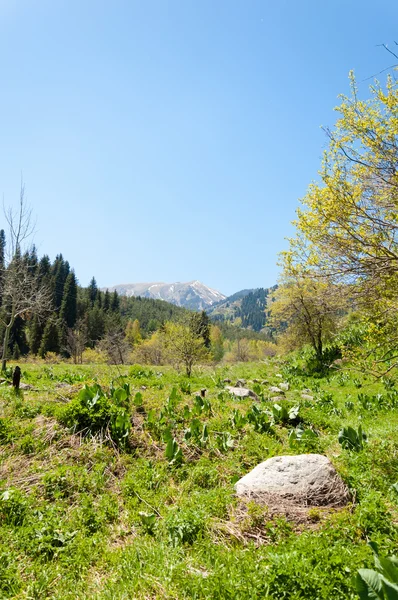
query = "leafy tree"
{"x": 308, "y": 310}
{"x": 349, "y": 221}
{"x": 183, "y": 345}
{"x": 217, "y": 343}
{"x": 133, "y": 332}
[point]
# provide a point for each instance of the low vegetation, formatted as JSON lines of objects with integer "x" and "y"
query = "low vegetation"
{"x": 118, "y": 482}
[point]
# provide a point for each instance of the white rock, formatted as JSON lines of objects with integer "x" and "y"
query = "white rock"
{"x": 275, "y": 390}
{"x": 284, "y": 386}
{"x": 241, "y": 392}
{"x": 307, "y": 397}
{"x": 296, "y": 477}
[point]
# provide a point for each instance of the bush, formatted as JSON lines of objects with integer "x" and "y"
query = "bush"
{"x": 184, "y": 526}
{"x": 94, "y": 412}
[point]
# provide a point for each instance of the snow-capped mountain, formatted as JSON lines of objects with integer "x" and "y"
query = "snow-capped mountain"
{"x": 193, "y": 294}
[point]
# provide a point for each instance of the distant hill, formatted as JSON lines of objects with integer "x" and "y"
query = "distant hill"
{"x": 193, "y": 294}
{"x": 247, "y": 309}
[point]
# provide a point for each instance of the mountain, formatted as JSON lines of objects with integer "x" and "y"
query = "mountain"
{"x": 246, "y": 309}
{"x": 193, "y": 294}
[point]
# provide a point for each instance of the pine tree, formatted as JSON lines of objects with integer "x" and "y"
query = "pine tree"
{"x": 107, "y": 301}
{"x": 60, "y": 271}
{"x": 92, "y": 291}
{"x": 115, "y": 302}
{"x": 68, "y": 313}
{"x": 200, "y": 326}
{"x": 50, "y": 341}
{"x": 35, "y": 335}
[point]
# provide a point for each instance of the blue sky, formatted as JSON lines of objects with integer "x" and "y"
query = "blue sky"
{"x": 171, "y": 140}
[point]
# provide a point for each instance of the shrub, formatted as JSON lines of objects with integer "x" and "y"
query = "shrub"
{"x": 94, "y": 412}
{"x": 184, "y": 526}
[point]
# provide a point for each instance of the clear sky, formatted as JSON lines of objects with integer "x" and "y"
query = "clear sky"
{"x": 171, "y": 140}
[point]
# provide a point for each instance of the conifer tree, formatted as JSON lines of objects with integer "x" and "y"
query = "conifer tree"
{"x": 60, "y": 271}
{"x": 107, "y": 301}
{"x": 92, "y": 291}
{"x": 50, "y": 341}
{"x": 200, "y": 326}
{"x": 115, "y": 302}
{"x": 35, "y": 335}
{"x": 68, "y": 313}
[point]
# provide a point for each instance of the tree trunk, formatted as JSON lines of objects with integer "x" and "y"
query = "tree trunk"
{"x": 5, "y": 346}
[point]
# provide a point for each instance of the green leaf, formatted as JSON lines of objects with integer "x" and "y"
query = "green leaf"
{"x": 390, "y": 589}
{"x": 368, "y": 584}
{"x": 138, "y": 399}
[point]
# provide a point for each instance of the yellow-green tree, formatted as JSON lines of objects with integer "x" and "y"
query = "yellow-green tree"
{"x": 350, "y": 218}
{"x": 183, "y": 346}
{"x": 307, "y": 310}
{"x": 347, "y": 228}
{"x": 133, "y": 332}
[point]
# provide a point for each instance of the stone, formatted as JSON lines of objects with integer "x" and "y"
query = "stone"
{"x": 240, "y": 383}
{"x": 26, "y": 386}
{"x": 256, "y": 381}
{"x": 284, "y": 386}
{"x": 227, "y": 381}
{"x": 307, "y": 397}
{"x": 303, "y": 478}
{"x": 241, "y": 392}
{"x": 265, "y": 382}
{"x": 277, "y": 398}
{"x": 306, "y": 391}
{"x": 279, "y": 375}
{"x": 275, "y": 390}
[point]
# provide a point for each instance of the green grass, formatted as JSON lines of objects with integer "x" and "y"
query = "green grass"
{"x": 84, "y": 517}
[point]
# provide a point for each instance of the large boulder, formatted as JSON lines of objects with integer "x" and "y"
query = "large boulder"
{"x": 241, "y": 392}
{"x": 305, "y": 479}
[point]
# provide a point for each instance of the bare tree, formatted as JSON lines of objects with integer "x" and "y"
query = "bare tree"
{"x": 22, "y": 294}
{"x": 76, "y": 341}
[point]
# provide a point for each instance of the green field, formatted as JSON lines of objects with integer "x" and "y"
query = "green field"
{"x": 130, "y": 494}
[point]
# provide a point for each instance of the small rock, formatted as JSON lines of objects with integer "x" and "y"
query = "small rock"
{"x": 284, "y": 386}
{"x": 265, "y": 382}
{"x": 306, "y": 391}
{"x": 279, "y": 375}
{"x": 256, "y": 381}
{"x": 275, "y": 390}
{"x": 241, "y": 392}
{"x": 240, "y": 383}
{"x": 226, "y": 381}
{"x": 307, "y": 397}
{"x": 277, "y": 398}
{"x": 143, "y": 387}
{"x": 25, "y": 386}
{"x": 308, "y": 478}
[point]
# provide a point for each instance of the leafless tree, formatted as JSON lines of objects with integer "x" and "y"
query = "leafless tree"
{"x": 115, "y": 346}
{"x": 76, "y": 341}
{"x": 22, "y": 294}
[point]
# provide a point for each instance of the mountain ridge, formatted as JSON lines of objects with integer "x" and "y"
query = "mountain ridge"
{"x": 192, "y": 294}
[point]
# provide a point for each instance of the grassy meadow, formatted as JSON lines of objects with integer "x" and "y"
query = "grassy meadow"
{"x": 125, "y": 488}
